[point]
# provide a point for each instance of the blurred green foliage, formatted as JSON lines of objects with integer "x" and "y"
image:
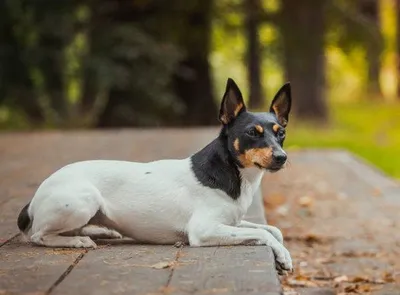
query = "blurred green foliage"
{"x": 113, "y": 63}
{"x": 369, "y": 129}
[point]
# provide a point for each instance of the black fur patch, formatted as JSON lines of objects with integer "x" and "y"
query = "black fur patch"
{"x": 214, "y": 167}
{"x": 24, "y": 221}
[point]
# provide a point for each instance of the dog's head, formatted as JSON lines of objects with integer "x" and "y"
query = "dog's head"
{"x": 255, "y": 139}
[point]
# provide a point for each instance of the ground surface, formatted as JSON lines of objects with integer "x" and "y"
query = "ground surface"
{"x": 340, "y": 218}
{"x": 122, "y": 267}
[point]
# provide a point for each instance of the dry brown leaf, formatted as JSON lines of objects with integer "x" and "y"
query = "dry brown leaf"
{"x": 306, "y": 201}
{"x": 282, "y": 210}
{"x": 357, "y": 288}
{"x": 388, "y": 277}
{"x": 325, "y": 260}
{"x": 341, "y": 279}
{"x": 377, "y": 192}
{"x": 351, "y": 289}
{"x": 273, "y": 201}
{"x": 301, "y": 277}
{"x": 162, "y": 264}
{"x": 359, "y": 279}
{"x": 312, "y": 238}
{"x": 364, "y": 288}
{"x": 300, "y": 283}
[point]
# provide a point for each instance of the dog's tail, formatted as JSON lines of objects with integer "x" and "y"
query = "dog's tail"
{"x": 24, "y": 220}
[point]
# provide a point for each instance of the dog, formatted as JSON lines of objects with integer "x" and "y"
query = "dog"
{"x": 199, "y": 200}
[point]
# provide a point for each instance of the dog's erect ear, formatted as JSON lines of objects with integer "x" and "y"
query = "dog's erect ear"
{"x": 281, "y": 104}
{"x": 232, "y": 103}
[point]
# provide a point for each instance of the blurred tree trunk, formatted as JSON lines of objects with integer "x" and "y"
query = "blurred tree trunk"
{"x": 398, "y": 46}
{"x": 302, "y": 26}
{"x": 370, "y": 9}
{"x": 253, "y": 53}
{"x": 193, "y": 81}
{"x": 52, "y": 65}
{"x": 16, "y": 86}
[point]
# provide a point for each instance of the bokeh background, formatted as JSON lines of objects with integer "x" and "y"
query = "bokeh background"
{"x": 70, "y": 64}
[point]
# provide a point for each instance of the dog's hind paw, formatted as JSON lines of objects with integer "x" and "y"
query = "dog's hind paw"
{"x": 84, "y": 242}
{"x": 96, "y": 232}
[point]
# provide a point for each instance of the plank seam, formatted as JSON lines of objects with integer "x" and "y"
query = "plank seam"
{"x": 176, "y": 260}
{"x": 9, "y": 240}
{"x": 66, "y": 273}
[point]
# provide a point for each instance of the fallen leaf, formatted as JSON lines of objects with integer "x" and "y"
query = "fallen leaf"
{"x": 162, "y": 264}
{"x": 364, "y": 288}
{"x": 351, "y": 289}
{"x": 341, "y": 279}
{"x": 359, "y": 280}
{"x": 282, "y": 210}
{"x": 305, "y": 201}
{"x": 302, "y": 278}
{"x": 311, "y": 239}
{"x": 377, "y": 192}
{"x": 388, "y": 277}
{"x": 273, "y": 201}
{"x": 325, "y": 260}
{"x": 301, "y": 283}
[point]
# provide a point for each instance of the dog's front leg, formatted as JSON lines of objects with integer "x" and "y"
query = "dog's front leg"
{"x": 225, "y": 235}
{"x": 272, "y": 229}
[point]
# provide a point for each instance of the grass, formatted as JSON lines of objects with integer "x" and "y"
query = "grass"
{"x": 370, "y": 130}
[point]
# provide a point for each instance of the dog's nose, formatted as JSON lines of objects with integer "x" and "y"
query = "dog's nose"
{"x": 280, "y": 158}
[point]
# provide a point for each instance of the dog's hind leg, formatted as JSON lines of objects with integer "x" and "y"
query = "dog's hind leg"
{"x": 61, "y": 213}
{"x": 96, "y": 232}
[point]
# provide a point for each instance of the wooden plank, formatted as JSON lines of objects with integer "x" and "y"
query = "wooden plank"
{"x": 8, "y": 219}
{"x": 229, "y": 270}
{"x": 126, "y": 269}
{"x": 353, "y": 215}
{"x": 27, "y": 269}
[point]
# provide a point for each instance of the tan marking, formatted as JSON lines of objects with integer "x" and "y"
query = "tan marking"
{"x": 261, "y": 156}
{"x": 236, "y": 144}
{"x": 238, "y": 108}
{"x": 276, "y": 128}
{"x": 260, "y": 129}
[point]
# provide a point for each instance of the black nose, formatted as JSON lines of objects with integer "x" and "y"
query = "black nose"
{"x": 280, "y": 158}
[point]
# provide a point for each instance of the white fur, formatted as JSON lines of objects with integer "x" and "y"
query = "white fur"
{"x": 158, "y": 202}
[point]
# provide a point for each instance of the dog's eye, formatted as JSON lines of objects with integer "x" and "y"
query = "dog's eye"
{"x": 252, "y": 132}
{"x": 281, "y": 133}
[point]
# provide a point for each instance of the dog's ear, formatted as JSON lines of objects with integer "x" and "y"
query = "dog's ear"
{"x": 281, "y": 104}
{"x": 232, "y": 103}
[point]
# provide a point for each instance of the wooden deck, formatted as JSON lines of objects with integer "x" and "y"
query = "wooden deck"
{"x": 116, "y": 267}
{"x": 124, "y": 268}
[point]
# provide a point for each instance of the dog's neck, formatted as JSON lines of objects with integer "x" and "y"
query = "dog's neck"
{"x": 252, "y": 175}
{"x": 215, "y": 167}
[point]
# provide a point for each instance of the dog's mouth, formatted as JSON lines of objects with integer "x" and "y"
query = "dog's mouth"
{"x": 270, "y": 169}
{"x": 274, "y": 169}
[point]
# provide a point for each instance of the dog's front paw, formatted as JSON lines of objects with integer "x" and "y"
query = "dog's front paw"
{"x": 275, "y": 232}
{"x": 283, "y": 261}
